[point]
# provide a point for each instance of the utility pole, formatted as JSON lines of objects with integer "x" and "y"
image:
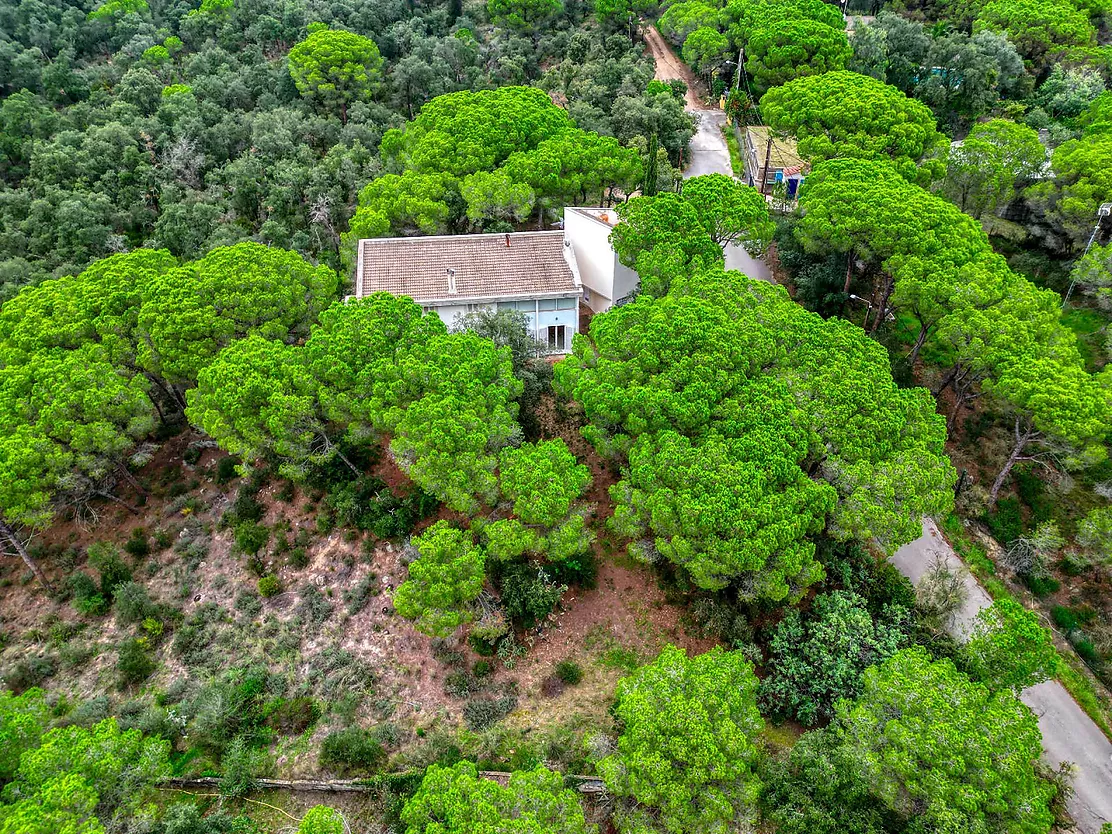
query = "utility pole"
{"x": 764, "y": 171}
{"x": 1102, "y": 212}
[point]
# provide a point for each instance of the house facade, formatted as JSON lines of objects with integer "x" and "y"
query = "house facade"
{"x": 452, "y": 275}
{"x": 784, "y": 164}
{"x": 606, "y": 281}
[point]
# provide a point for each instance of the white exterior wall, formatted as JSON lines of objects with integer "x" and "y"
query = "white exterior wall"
{"x": 603, "y": 276}
{"x": 539, "y": 320}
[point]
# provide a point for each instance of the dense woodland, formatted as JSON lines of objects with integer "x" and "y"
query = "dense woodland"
{"x": 251, "y": 531}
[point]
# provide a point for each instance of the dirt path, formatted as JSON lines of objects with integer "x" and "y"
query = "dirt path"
{"x": 668, "y": 66}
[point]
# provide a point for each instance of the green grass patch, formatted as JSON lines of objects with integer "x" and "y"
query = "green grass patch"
{"x": 736, "y": 162}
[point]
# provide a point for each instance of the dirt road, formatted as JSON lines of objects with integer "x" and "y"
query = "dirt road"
{"x": 1069, "y": 735}
{"x": 668, "y": 66}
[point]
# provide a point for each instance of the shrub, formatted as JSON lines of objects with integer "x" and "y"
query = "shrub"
{"x": 1005, "y": 522}
{"x": 112, "y": 569}
{"x": 940, "y": 595}
{"x": 241, "y": 764}
{"x": 1032, "y": 492}
{"x": 269, "y": 586}
{"x": 322, "y": 820}
{"x": 226, "y": 470}
{"x": 251, "y": 537}
{"x": 291, "y": 716}
{"x": 313, "y": 609}
{"x": 134, "y": 663}
{"x": 299, "y": 558}
{"x": 569, "y": 672}
{"x": 482, "y": 669}
{"x": 818, "y": 660}
{"x": 528, "y": 594}
{"x": 351, "y": 749}
{"x": 28, "y": 673}
{"x": 485, "y": 712}
{"x": 356, "y": 598}
{"x": 246, "y": 507}
{"x": 1064, "y": 618}
{"x": 138, "y": 545}
{"x": 87, "y": 598}
{"x": 133, "y": 604}
{"x": 460, "y": 684}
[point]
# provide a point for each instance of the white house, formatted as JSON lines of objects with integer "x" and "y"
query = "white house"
{"x": 534, "y": 272}
{"x": 606, "y": 280}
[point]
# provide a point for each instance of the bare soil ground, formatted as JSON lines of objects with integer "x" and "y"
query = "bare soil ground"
{"x": 668, "y": 66}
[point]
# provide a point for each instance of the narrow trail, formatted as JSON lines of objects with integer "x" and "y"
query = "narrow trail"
{"x": 668, "y": 66}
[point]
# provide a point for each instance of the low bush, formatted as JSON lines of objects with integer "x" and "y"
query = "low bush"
{"x": 299, "y": 558}
{"x": 1064, "y": 618}
{"x": 528, "y": 593}
{"x": 314, "y": 608}
{"x": 1087, "y": 651}
{"x": 28, "y": 673}
{"x": 482, "y": 669}
{"x": 486, "y": 712}
{"x": 138, "y": 545}
{"x": 1041, "y": 586}
{"x": 460, "y": 684}
{"x": 269, "y": 586}
{"x": 87, "y": 598}
{"x": 291, "y": 716}
{"x": 134, "y": 663}
{"x": 352, "y": 749}
{"x": 226, "y": 470}
{"x": 112, "y": 569}
{"x": 251, "y": 537}
{"x": 1005, "y": 522}
{"x": 569, "y": 672}
{"x": 133, "y": 604}
{"x": 356, "y": 598}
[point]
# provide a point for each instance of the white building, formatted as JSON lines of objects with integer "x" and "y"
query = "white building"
{"x": 534, "y": 272}
{"x": 606, "y": 280}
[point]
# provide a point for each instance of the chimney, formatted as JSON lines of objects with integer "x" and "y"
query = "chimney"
{"x": 451, "y": 281}
{"x": 507, "y": 240}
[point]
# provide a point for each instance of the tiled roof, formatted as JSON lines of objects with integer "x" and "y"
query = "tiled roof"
{"x": 482, "y": 266}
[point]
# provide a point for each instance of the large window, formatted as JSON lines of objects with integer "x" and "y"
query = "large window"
{"x": 557, "y": 335}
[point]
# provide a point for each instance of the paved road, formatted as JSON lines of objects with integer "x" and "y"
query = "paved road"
{"x": 709, "y": 154}
{"x": 1068, "y": 733}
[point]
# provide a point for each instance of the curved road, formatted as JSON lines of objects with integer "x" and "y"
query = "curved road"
{"x": 709, "y": 154}
{"x": 1069, "y": 735}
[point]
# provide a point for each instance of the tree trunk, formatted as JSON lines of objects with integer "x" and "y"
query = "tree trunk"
{"x": 920, "y": 340}
{"x": 9, "y": 535}
{"x": 882, "y": 310}
{"x": 103, "y": 493}
{"x": 849, "y": 270}
{"x": 131, "y": 479}
{"x": 946, "y": 380}
{"x": 1021, "y": 441}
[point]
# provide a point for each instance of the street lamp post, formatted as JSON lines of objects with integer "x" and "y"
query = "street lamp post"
{"x": 867, "y": 303}
{"x": 1102, "y": 212}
